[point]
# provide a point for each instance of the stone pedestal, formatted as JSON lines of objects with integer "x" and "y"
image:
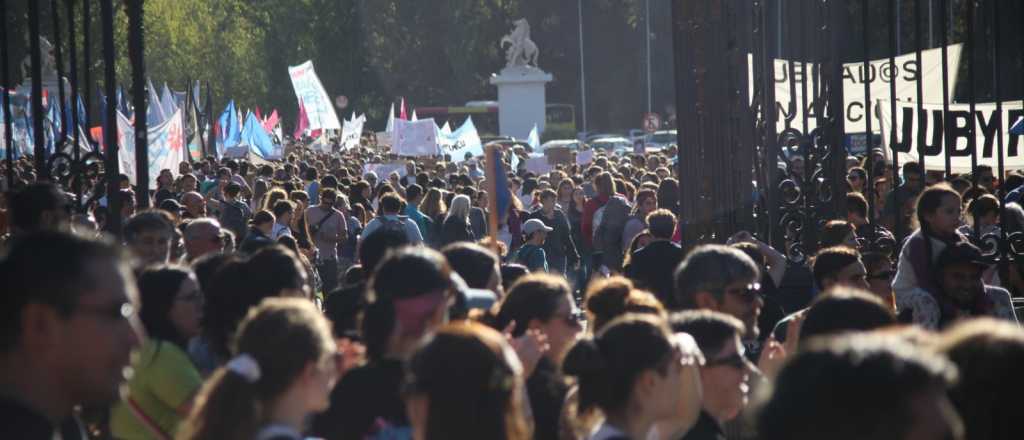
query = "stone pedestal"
{"x": 521, "y": 100}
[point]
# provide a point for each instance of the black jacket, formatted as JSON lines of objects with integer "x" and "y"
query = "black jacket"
{"x": 559, "y": 243}
{"x": 454, "y": 230}
{"x": 652, "y": 267}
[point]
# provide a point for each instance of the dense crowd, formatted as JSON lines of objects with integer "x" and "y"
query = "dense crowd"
{"x": 311, "y": 298}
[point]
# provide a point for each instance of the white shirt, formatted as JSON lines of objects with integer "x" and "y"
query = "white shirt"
{"x": 279, "y": 230}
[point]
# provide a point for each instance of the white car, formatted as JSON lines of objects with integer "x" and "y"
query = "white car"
{"x": 614, "y": 145}
{"x": 658, "y": 140}
{"x": 571, "y": 144}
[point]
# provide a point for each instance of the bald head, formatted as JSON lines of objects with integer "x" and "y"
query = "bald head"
{"x": 203, "y": 236}
{"x": 195, "y": 204}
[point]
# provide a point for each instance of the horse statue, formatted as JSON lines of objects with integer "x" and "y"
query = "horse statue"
{"x": 522, "y": 50}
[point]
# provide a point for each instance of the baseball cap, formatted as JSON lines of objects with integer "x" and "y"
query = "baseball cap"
{"x": 962, "y": 252}
{"x": 533, "y": 225}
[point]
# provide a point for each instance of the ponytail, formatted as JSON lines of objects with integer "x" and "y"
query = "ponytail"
{"x": 227, "y": 407}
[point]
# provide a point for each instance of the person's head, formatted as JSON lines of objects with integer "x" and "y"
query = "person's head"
{"x": 726, "y": 369}
{"x": 987, "y": 353}
{"x": 609, "y": 298}
{"x": 661, "y": 223}
{"x": 263, "y": 221}
{"x": 856, "y": 208}
{"x": 536, "y": 231}
{"x": 171, "y": 304}
{"x": 985, "y": 177}
{"x": 477, "y": 265}
{"x": 38, "y": 207}
{"x": 391, "y": 204}
{"x": 632, "y": 368}
{"x": 189, "y": 183}
{"x": 880, "y": 273}
{"x": 283, "y": 355}
{"x": 857, "y": 177}
{"x": 466, "y": 382}
{"x": 646, "y": 202}
{"x": 938, "y": 210}
{"x": 913, "y": 176}
{"x": 68, "y": 331}
{"x": 409, "y": 295}
{"x": 548, "y": 198}
{"x": 459, "y": 208}
{"x": 844, "y": 309}
{"x": 984, "y": 211}
{"x": 273, "y": 271}
{"x": 839, "y": 233}
{"x": 542, "y": 302}
{"x": 858, "y": 387}
{"x": 668, "y": 193}
{"x": 722, "y": 279}
{"x": 148, "y": 235}
{"x": 413, "y": 193}
{"x": 958, "y": 272}
{"x": 203, "y": 236}
{"x": 231, "y": 190}
{"x": 284, "y": 210}
{"x": 838, "y": 266}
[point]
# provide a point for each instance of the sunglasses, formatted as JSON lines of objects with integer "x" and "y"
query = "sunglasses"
{"x": 886, "y": 275}
{"x": 736, "y": 360}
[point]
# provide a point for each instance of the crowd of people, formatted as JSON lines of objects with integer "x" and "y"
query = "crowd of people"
{"x": 311, "y": 298}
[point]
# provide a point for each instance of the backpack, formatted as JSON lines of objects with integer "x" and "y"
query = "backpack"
{"x": 609, "y": 222}
{"x": 235, "y": 217}
{"x": 396, "y": 225}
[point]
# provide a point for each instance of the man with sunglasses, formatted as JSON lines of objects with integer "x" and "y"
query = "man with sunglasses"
{"x": 726, "y": 371}
{"x": 67, "y": 334}
{"x": 722, "y": 279}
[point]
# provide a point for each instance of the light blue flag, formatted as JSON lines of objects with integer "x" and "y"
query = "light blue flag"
{"x": 229, "y": 135}
{"x": 167, "y": 101}
{"x": 534, "y": 139}
{"x": 155, "y": 114}
{"x": 464, "y": 141}
{"x": 256, "y": 137}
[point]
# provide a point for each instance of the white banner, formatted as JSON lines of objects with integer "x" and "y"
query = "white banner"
{"x": 924, "y": 133}
{"x": 311, "y": 93}
{"x": 415, "y": 138}
{"x": 584, "y": 157}
{"x": 352, "y": 132}
{"x": 905, "y": 72}
{"x": 166, "y": 147}
{"x": 462, "y": 142}
{"x": 538, "y": 165}
{"x": 383, "y": 170}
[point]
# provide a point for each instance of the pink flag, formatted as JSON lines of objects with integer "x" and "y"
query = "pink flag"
{"x": 303, "y": 123}
{"x": 401, "y": 111}
{"x": 271, "y": 122}
{"x": 259, "y": 115}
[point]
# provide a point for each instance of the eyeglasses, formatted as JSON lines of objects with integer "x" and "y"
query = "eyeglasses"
{"x": 736, "y": 360}
{"x": 113, "y": 312}
{"x": 886, "y": 275}
{"x": 749, "y": 293}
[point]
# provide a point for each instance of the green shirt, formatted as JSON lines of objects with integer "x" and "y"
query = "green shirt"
{"x": 164, "y": 380}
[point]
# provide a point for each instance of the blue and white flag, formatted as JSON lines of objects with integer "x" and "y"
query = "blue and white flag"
{"x": 166, "y": 147}
{"x": 309, "y": 91}
{"x": 463, "y": 142}
{"x": 167, "y": 101}
{"x": 256, "y": 137}
{"x": 229, "y": 135}
{"x": 155, "y": 113}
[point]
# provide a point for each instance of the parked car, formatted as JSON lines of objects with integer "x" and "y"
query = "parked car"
{"x": 571, "y": 144}
{"x": 658, "y": 140}
{"x": 614, "y": 145}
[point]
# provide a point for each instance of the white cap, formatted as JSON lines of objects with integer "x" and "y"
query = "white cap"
{"x": 533, "y": 225}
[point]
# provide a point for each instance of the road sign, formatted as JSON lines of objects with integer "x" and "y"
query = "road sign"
{"x": 651, "y": 122}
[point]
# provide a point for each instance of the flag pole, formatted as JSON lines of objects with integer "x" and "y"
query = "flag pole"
{"x": 490, "y": 174}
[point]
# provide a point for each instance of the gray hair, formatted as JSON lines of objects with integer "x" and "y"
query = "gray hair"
{"x": 710, "y": 268}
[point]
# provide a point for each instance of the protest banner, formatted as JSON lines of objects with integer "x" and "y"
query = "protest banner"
{"x": 584, "y": 157}
{"x": 166, "y": 147}
{"x": 538, "y": 165}
{"x": 559, "y": 155}
{"x": 311, "y": 93}
{"x": 462, "y": 142}
{"x": 415, "y": 138}
{"x": 904, "y": 71}
{"x": 383, "y": 170}
{"x": 924, "y": 132}
{"x": 352, "y": 131}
